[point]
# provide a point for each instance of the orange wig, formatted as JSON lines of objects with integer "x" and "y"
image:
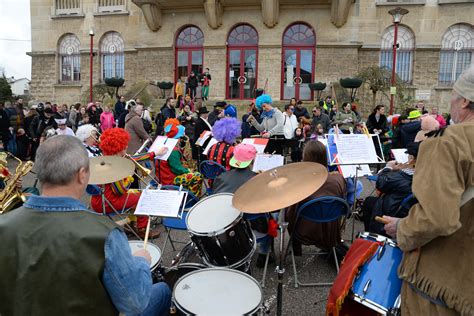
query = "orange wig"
{"x": 113, "y": 141}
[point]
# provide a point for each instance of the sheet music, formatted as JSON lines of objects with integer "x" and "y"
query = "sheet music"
{"x": 356, "y": 149}
{"x": 265, "y": 162}
{"x": 349, "y": 171}
{"x": 209, "y": 145}
{"x": 258, "y": 143}
{"x": 160, "y": 203}
{"x": 400, "y": 155}
{"x": 163, "y": 141}
{"x": 203, "y": 137}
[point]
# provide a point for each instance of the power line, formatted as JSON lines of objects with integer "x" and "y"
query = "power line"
{"x": 14, "y": 40}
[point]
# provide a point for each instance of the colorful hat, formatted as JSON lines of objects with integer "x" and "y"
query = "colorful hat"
{"x": 264, "y": 98}
{"x": 230, "y": 111}
{"x": 173, "y": 129}
{"x": 227, "y": 130}
{"x": 414, "y": 114}
{"x": 243, "y": 156}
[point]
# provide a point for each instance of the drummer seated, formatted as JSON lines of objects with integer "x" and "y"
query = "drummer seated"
{"x": 322, "y": 235}
{"x": 82, "y": 262}
{"x": 394, "y": 182}
{"x": 230, "y": 181}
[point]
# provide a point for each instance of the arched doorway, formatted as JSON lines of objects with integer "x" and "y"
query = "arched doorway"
{"x": 299, "y": 42}
{"x": 242, "y": 61}
{"x": 189, "y": 52}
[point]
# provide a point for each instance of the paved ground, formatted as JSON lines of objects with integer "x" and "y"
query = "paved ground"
{"x": 296, "y": 301}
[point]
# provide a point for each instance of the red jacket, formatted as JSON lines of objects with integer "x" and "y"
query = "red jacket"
{"x": 221, "y": 153}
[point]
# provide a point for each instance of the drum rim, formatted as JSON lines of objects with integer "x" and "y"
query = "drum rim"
{"x": 158, "y": 263}
{"x": 370, "y": 304}
{"x": 389, "y": 241}
{"x": 179, "y": 306}
{"x": 216, "y": 232}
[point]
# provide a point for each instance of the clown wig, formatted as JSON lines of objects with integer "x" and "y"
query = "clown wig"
{"x": 227, "y": 130}
{"x": 113, "y": 141}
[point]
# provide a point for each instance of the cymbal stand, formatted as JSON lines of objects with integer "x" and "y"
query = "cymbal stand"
{"x": 280, "y": 270}
{"x": 105, "y": 200}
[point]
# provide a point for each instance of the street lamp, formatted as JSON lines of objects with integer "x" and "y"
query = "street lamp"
{"x": 397, "y": 15}
{"x": 91, "y": 34}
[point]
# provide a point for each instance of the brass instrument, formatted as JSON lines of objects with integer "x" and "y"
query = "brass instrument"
{"x": 140, "y": 171}
{"x": 142, "y": 147}
{"x": 11, "y": 194}
{"x": 95, "y": 134}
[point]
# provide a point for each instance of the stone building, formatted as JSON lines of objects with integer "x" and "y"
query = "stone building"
{"x": 281, "y": 45}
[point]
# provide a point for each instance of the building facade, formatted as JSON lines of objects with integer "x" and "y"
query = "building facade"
{"x": 282, "y": 45}
{"x": 20, "y": 87}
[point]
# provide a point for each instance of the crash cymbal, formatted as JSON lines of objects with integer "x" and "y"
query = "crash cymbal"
{"x": 280, "y": 187}
{"x": 108, "y": 169}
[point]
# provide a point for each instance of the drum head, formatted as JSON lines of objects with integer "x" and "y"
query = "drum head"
{"x": 153, "y": 249}
{"x": 212, "y": 214}
{"x": 217, "y": 291}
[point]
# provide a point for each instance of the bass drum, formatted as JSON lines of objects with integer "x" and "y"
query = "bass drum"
{"x": 186, "y": 261}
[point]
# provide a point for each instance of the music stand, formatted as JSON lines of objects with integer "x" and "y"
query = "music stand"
{"x": 340, "y": 154}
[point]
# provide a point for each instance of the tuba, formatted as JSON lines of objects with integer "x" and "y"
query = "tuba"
{"x": 11, "y": 195}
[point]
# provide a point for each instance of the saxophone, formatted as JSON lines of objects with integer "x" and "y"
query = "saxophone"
{"x": 11, "y": 195}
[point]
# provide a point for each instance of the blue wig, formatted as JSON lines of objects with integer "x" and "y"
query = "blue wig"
{"x": 227, "y": 130}
{"x": 264, "y": 98}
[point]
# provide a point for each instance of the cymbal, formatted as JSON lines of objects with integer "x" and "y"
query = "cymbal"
{"x": 280, "y": 187}
{"x": 108, "y": 169}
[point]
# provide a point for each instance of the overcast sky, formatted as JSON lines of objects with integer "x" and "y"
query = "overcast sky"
{"x": 15, "y": 36}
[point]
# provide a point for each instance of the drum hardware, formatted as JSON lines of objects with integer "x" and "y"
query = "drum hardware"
{"x": 381, "y": 251}
{"x": 377, "y": 285}
{"x": 279, "y": 188}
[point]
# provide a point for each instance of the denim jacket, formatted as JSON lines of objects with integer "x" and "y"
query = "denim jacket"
{"x": 126, "y": 278}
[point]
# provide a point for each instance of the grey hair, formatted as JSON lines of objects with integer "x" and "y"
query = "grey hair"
{"x": 85, "y": 131}
{"x": 59, "y": 158}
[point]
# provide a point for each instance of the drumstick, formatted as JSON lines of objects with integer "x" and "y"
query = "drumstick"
{"x": 382, "y": 220}
{"x": 147, "y": 232}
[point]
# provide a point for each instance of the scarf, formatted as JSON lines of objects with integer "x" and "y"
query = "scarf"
{"x": 268, "y": 114}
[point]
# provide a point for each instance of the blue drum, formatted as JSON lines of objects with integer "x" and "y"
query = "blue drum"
{"x": 377, "y": 285}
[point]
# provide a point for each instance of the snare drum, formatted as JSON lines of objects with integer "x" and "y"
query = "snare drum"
{"x": 219, "y": 231}
{"x": 217, "y": 291}
{"x": 154, "y": 250}
{"x": 377, "y": 285}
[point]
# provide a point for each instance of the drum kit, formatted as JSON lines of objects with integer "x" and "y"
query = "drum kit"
{"x": 211, "y": 275}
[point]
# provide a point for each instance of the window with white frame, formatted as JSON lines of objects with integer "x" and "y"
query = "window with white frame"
{"x": 457, "y": 48}
{"x": 405, "y": 49}
{"x": 112, "y": 56}
{"x": 67, "y": 7}
{"x": 111, "y": 5}
{"x": 69, "y": 59}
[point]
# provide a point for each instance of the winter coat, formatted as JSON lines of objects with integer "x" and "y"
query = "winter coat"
{"x": 138, "y": 135}
{"x": 381, "y": 124}
{"x": 107, "y": 121}
{"x": 394, "y": 186}
{"x": 408, "y": 132}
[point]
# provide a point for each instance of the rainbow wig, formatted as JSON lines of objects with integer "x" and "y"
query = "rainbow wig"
{"x": 113, "y": 141}
{"x": 227, "y": 130}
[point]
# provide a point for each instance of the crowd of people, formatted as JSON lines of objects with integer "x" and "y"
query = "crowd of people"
{"x": 428, "y": 211}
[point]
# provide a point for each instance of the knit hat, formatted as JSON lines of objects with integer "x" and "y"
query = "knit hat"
{"x": 264, "y": 98}
{"x": 428, "y": 124}
{"x": 243, "y": 156}
{"x": 464, "y": 86}
{"x": 173, "y": 129}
